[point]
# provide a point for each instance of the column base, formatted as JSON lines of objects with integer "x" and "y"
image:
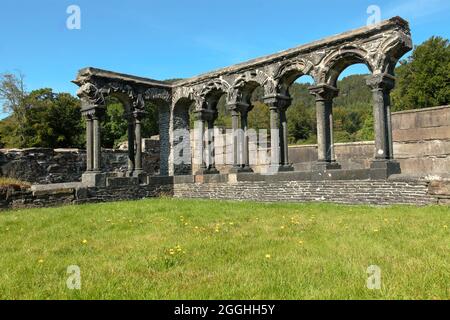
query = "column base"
{"x": 324, "y": 166}
{"x": 383, "y": 168}
{"x": 137, "y": 172}
{"x": 203, "y": 171}
{"x": 240, "y": 170}
{"x": 94, "y": 179}
{"x": 286, "y": 168}
{"x": 275, "y": 168}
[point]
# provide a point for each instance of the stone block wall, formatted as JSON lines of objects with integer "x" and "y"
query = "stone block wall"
{"x": 347, "y": 192}
{"x": 421, "y": 145}
{"x": 43, "y": 165}
{"x": 334, "y": 191}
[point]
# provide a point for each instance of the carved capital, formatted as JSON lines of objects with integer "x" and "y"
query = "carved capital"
{"x": 239, "y": 107}
{"x": 324, "y": 92}
{"x": 279, "y": 102}
{"x": 138, "y": 115}
{"x": 90, "y": 94}
{"x": 93, "y": 112}
{"x": 205, "y": 115}
{"x": 381, "y": 81}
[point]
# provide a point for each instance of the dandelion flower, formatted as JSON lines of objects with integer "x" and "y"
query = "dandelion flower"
{"x": 41, "y": 260}
{"x": 268, "y": 256}
{"x": 84, "y": 241}
{"x": 375, "y": 230}
{"x": 300, "y": 242}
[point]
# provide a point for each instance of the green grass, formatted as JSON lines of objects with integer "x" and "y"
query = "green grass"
{"x": 220, "y": 250}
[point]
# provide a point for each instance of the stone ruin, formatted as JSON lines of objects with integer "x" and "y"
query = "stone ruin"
{"x": 378, "y": 46}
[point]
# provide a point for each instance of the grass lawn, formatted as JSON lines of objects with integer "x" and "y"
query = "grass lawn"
{"x": 199, "y": 249}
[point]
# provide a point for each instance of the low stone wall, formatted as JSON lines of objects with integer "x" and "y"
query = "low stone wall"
{"x": 225, "y": 187}
{"x": 76, "y": 193}
{"x": 421, "y": 145}
{"x": 347, "y": 192}
{"x": 43, "y": 165}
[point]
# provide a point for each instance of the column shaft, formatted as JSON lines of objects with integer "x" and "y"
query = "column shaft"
{"x": 211, "y": 146}
{"x": 138, "y": 155}
{"x": 235, "y": 129}
{"x": 275, "y": 136}
{"x": 284, "y": 138}
{"x": 89, "y": 144}
{"x": 323, "y": 117}
{"x": 131, "y": 160}
{"x": 97, "y": 145}
{"x": 244, "y": 142}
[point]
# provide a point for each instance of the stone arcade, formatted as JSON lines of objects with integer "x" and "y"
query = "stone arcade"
{"x": 379, "y": 47}
{"x": 199, "y": 175}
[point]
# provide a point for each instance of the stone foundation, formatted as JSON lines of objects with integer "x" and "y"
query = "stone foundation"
{"x": 283, "y": 187}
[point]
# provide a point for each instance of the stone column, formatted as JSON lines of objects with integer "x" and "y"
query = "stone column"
{"x": 138, "y": 115}
{"x": 241, "y": 161}
{"x": 284, "y": 103}
{"x": 324, "y": 116}
{"x": 130, "y": 135}
{"x": 211, "y": 169}
{"x": 235, "y": 128}
{"x": 245, "y": 166}
{"x": 199, "y": 134}
{"x": 279, "y": 147}
{"x": 97, "y": 152}
{"x": 93, "y": 111}
{"x": 275, "y": 153}
{"x": 381, "y": 85}
{"x": 89, "y": 143}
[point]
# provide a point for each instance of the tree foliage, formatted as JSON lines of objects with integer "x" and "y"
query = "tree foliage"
{"x": 423, "y": 80}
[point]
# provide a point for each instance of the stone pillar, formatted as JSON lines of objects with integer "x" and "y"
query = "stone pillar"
{"x": 324, "y": 116}
{"x": 199, "y": 134}
{"x": 241, "y": 162}
{"x": 284, "y": 141}
{"x": 138, "y": 115}
{"x": 211, "y": 169}
{"x": 93, "y": 175}
{"x": 130, "y": 135}
{"x": 89, "y": 143}
{"x": 235, "y": 128}
{"x": 97, "y": 152}
{"x": 381, "y": 85}
{"x": 245, "y": 166}
{"x": 279, "y": 147}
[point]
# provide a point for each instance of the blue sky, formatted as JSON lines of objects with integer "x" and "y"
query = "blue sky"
{"x": 164, "y": 39}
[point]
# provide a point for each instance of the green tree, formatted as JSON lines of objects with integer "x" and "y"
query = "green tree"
{"x": 51, "y": 120}
{"x": 12, "y": 97}
{"x": 423, "y": 80}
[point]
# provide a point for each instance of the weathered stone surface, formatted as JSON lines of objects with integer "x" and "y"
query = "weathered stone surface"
{"x": 41, "y": 165}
